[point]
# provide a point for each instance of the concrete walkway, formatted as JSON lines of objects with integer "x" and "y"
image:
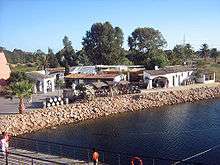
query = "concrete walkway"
{"x": 10, "y": 106}
{"x": 29, "y": 157}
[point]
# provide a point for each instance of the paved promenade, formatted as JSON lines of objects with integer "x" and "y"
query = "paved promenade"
{"x": 20, "y": 156}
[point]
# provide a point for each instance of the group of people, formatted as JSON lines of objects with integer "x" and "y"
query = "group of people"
{"x": 4, "y": 144}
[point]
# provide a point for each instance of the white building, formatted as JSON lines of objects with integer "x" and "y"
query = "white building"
{"x": 206, "y": 78}
{"x": 101, "y": 68}
{"x": 171, "y": 76}
{"x": 44, "y": 83}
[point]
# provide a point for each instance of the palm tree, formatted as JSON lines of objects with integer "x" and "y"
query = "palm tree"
{"x": 22, "y": 90}
{"x": 205, "y": 51}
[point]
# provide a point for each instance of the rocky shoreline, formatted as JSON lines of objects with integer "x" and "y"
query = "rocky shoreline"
{"x": 103, "y": 106}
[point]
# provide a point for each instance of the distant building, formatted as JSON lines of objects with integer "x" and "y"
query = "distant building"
{"x": 131, "y": 71}
{"x": 206, "y": 77}
{"x": 171, "y": 76}
{"x": 5, "y": 70}
{"x": 92, "y": 78}
{"x": 45, "y": 80}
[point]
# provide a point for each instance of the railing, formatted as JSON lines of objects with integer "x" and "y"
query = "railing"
{"x": 15, "y": 158}
{"x": 85, "y": 154}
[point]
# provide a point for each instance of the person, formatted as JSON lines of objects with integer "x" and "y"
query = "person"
{"x": 4, "y": 144}
{"x": 95, "y": 157}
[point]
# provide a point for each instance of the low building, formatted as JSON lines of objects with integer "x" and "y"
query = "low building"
{"x": 131, "y": 71}
{"x": 5, "y": 70}
{"x": 44, "y": 83}
{"x": 206, "y": 77}
{"x": 91, "y": 78}
{"x": 45, "y": 80}
{"x": 171, "y": 76}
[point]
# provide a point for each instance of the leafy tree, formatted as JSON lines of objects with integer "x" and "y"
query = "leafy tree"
{"x": 204, "y": 51}
{"x": 181, "y": 53}
{"x": 59, "y": 85}
{"x": 83, "y": 58}
{"x": 142, "y": 41}
{"x": 214, "y": 54}
{"x": 22, "y": 90}
{"x": 67, "y": 56}
{"x": 103, "y": 44}
{"x": 145, "y": 39}
{"x": 52, "y": 61}
{"x": 188, "y": 52}
{"x": 157, "y": 57}
{"x": 40, "y": 59}
{"x": 18, "y": 76}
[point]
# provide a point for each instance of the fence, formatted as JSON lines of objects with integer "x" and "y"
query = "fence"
{"x": 14, "y": 158}
{"x": 85, "y": 154}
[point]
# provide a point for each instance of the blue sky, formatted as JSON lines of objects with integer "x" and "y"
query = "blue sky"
{"x": 39, "y": 24}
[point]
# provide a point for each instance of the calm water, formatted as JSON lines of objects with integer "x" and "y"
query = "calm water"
{"x": 175, "y": 132}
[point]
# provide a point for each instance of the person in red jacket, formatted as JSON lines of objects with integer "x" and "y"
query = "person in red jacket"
{"x": 95, "y": 157}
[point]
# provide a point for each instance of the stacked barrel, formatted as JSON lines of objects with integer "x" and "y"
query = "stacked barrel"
{"x": 55, "y": 101}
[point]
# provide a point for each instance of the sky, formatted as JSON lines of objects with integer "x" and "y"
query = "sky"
{"x": 38, "y": 24}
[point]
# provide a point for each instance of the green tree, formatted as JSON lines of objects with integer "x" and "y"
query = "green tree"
{"x": 214, "y": 54}
{"x": 83, "y": 58}
{"x": 52, "y": 61}
{"x": 204, "y": 51}
{"x": 188, "y": 52}
{"x": 22, "y": 90}
{"x": 18, "y": 76}
{"x": 59, "y": 85}
{"x": 141, "y": 41}
{"x": 181, "y": 53}
{"x": 40, "y": 59}
{"x": 103, "y": 44}
{"x": 67, "y": 56}
{"x": 157, "y": 57}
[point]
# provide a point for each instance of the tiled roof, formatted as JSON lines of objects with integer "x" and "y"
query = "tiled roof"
{"x": 54, "y": 70}
{"x": 91, "y": 76}
{"x": 170, "y": 69}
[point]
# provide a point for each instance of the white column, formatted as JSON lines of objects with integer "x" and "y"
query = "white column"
{"x": 40, "y": 86}
{"x": 53, "y": 85}
{"x": 214, "y": 76}
{"x": 44, "y": 86}
{"x": 149, "y": 84}
{"x": 35, "y": 88}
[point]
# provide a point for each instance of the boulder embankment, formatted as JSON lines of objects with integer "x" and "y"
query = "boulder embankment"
{"x": 103, "y": 106}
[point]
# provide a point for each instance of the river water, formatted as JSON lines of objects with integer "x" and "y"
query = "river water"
{"x": 176, "y": 132}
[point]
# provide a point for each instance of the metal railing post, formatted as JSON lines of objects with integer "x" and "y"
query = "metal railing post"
{"x": 88, "y": 156}
{"x": 119, "y": 159}
{"x": 6, "y": 158}
{"x": 37, "y": 148}
{"x": 32, "y": 161}
{"x": 61, "y": 150}
{"x": 153, "y": 161}
{"x": 103, "y": 159}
